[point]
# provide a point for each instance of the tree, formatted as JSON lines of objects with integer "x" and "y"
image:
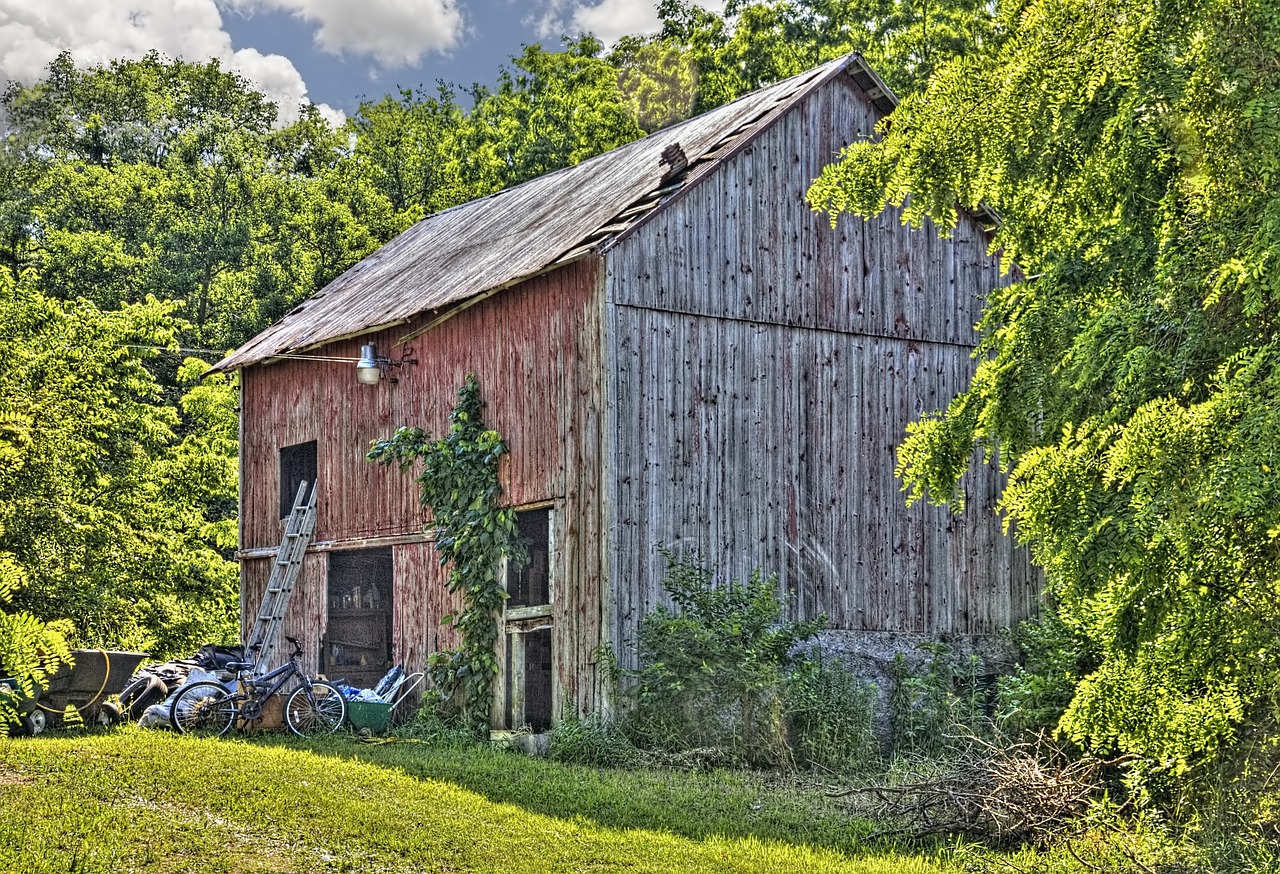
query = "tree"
{"x": 550, "y": 110}
{"x": 1131, "y": 383}
{"x": 132, "y": 111}
{"x": 109, "y": 517}
{"x": 657, "y": 80}
{"x": 758, "y": 43}
{"x": 411, "y": 150}
{"x": 170, "y": 178}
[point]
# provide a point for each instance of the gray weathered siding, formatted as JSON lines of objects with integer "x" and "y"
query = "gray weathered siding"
{"x": 764, "y": 369}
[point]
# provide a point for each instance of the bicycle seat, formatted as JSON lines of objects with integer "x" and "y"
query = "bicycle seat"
{"x": 239, "y": 666}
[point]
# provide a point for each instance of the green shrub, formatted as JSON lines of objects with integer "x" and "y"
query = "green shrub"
{"x": 30, "y": 650}
{"x": 438, "y": 726}
{"x": 594, "y": 741}
{"x": 933, "y": 710}
{"x": 712, "y": 672}
{"x": 831, "y": 715}
{"x": 1035, "y": 695}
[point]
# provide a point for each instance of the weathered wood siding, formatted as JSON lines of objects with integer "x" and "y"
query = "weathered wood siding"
{"x": 524, "y": 346}
{"x": 306, "y": 604}
{"x": 536, "y": 351}
{"x": 764, "y": 368}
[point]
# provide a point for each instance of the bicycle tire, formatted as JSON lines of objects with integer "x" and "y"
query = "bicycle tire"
{"x": 203, "y": 709}
{"x": 323, "y": 710}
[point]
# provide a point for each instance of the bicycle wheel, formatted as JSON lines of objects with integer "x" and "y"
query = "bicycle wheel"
{"x": 203, "y": 709}
{"x": 318, "y": 710}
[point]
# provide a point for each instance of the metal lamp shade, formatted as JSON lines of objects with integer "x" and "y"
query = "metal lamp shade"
{"x": 368, "y": 371}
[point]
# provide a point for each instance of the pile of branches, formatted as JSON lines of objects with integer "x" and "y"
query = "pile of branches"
{"x": 1000, "y": 794}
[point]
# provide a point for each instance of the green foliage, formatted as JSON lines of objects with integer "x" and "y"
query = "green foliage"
{"x": 117, "y": 522}
{"x": 30, "y": 650}
{"x": 166, "y": 178}
{"x": 596, "y": 741}
{"x": 1108, "y": 839}
{"x": 932, "y": 710}
{"x": 412, "y": 150}
{"x": 712, "y": 672}
{"x": 1035, "y": 695}
{"x": 550, "y": 110}
{"x": 658, "y": 81}
{"x": 459, "y": 484}
{"x": 1131, "y": 385}
{"x": 831, "y": 717}
{"x": 755, "y": 44}
{"x": 434, "y": 725}
{"x": 1233, "y": 810}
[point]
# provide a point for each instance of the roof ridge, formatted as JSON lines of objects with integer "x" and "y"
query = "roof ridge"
{"x": 492, "y": 242}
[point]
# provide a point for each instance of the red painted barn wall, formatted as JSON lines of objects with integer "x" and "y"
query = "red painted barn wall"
{"x": 522, "y": 344}
{"x": 536, "y": 351}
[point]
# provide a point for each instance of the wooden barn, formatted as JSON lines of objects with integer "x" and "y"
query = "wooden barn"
{"x": 679, "y": 353}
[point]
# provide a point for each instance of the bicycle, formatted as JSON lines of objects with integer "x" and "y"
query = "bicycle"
{"x": 209, "y": 708}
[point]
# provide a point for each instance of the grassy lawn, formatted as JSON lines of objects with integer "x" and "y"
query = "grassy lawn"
{"x": 132, "y": 800}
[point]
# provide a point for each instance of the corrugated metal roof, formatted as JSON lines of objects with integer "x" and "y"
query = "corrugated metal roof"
{"x": 496, "y": 241}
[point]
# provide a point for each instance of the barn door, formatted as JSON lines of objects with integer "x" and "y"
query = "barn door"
{"x": 528, "y": 665}
{"x": 357, "y": 640}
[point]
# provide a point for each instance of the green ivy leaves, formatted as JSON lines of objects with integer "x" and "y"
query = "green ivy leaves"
{"x": 459, "y": 484}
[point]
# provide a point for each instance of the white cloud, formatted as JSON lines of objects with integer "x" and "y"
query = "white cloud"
{"x": 611, "y": 19}
{"x": 607, "y": 19}
{"x": 395, "y": 33}
{"x": 97, "y": 31}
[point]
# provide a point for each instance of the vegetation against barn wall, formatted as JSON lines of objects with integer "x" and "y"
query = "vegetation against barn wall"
{"x": 1131, "y": 384}
{"x": 473, "y": 533}
{"x": 724, "y": 677}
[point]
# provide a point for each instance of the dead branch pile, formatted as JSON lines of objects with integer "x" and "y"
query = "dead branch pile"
{"x": 998, "y": 794}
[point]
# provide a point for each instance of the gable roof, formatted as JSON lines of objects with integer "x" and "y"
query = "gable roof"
{"x": 496, "y": 241}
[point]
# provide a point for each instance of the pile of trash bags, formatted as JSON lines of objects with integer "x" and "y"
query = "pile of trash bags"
{"x": 383, "y": 693}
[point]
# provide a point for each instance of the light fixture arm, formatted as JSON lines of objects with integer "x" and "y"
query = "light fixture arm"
{"x": 372, "y": 367}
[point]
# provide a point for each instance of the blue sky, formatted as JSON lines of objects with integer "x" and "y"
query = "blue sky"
{"x": 495, "y": 31}
{"x": 328, "y": 52}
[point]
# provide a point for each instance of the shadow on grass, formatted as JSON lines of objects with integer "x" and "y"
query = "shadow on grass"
{"x": 693, "y": 805}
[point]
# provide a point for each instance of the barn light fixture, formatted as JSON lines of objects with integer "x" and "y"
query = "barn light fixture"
{"x": 368, "y": 370}
{"x": 371, "y": 367}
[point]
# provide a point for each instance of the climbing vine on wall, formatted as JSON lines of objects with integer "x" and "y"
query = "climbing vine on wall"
{"x": 459, "y": 484}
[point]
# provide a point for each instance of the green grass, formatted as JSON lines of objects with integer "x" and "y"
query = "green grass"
{"x": 149, "y": 801}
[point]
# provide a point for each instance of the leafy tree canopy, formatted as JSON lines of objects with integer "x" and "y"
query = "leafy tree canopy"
{"x": 110, "y": 515}
{"x": 1131, "y": 384}
{"x": 170, "y": 179}
{"x": 757, "y": 43}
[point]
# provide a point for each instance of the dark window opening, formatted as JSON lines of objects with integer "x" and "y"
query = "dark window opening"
{"x": 529, "y": 667}
{"x": 357, "y": 641}
{"x": 297, "y": 465}
{"x": 530, "y": 585}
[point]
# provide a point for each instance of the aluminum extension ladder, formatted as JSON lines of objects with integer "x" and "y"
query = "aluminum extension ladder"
{"x": 265, "y": 633}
